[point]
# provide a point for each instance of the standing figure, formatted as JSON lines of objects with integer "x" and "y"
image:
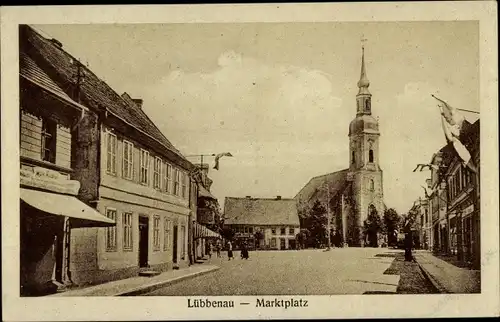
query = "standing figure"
{"x": 217, "y": 248}
{"x": 210, "y": 248}
{"x": 244, "y": 251}
{"x": 229, "y": 251}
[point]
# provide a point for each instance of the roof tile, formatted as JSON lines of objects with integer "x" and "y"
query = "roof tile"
{"x": 260, "y": 211}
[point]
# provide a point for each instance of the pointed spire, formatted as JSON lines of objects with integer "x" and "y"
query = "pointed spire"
{"x": 363, "y": 82}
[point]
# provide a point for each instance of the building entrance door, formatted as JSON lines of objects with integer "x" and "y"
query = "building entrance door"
{"x": 174, "y": 252}
{"x": 143, "y": 241}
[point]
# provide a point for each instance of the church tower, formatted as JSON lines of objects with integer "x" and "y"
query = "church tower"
{"x": 364, "y": 169}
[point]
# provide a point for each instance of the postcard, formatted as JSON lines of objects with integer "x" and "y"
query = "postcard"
{"x": 256, "y": 161}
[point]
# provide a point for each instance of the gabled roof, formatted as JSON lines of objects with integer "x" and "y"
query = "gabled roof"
{"x": 335, "y": 181}
{"x": 95, "y": 93}
{"x": 260, "y": 211}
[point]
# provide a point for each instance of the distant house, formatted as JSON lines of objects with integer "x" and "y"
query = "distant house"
{"x": 276, "y": 220}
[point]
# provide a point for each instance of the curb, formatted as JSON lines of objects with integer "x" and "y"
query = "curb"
{"x": 441, "y": 289}
{"x": 152, "y": 287}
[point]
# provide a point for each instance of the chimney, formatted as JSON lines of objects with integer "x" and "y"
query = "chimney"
{"x": 278, "y": 197}
{"x": 138, "y": 102}
{"x": 57, "y": 43}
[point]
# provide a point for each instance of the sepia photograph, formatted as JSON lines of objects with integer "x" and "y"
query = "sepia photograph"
{"x": 274, "y": 160}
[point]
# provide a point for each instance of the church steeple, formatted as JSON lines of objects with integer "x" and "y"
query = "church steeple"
{"x": 363, "y": 82}
{"x": 364, "y": 97}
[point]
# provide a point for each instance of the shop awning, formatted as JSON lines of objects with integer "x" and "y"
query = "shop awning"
{"x": 79, "y": 213}
{"x": 201, "y": 231}
{"x": 202, "y": 192}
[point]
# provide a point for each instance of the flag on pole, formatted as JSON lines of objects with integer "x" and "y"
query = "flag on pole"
{"x": 452, "y": 121}
{"x": 218, "y": 156}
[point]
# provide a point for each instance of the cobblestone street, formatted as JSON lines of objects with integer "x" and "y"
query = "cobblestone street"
{"x": 307, "y": 272}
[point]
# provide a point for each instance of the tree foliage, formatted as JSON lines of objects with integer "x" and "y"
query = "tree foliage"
{"x": 392, "y": 225}
{"x": 316, "y": 224}
{"x": 372, "y": 226}
{"x": 259, "y": 235}
{"x": 228, "y": 233}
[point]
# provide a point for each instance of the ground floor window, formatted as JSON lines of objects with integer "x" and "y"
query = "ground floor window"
{"x": 167, "y": 226}
{"x": 273, "y": 242}
{"x": 127, "y": 231}
{"x": 183, "y": 242}
{"x": 111, "y": 231}
{"x": 156, "y": 233}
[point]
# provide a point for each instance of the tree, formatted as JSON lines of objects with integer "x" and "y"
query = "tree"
{"x": 316, "y": 224}
{"x": 301, "y": 238}
{"x": 372, "y": 226}
{"x": 228, "y": 233}
{"x": 392, "y": 224}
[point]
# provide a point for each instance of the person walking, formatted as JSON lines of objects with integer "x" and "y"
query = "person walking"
{"x": 229, "y": 251}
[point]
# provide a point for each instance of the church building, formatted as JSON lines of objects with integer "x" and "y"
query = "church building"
{"x": 357, "y": 191}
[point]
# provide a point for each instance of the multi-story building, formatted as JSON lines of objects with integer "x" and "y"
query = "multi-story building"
{"x": 455, "y": 199}
{"x": 463, "y": 195}
{"x": 264, "y": 222}
{"x": 208, "y": 217}
{"x": 49, "y": 209}
{"x": 423, "y": 222}
{"x": 128, "y": 171}
{"x": 438, "y": 202}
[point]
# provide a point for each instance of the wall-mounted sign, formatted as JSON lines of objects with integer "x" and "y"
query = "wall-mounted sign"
{"x": 47, "y": 179}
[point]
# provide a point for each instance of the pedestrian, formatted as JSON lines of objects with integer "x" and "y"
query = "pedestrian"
{"x": 217, "y": 248}
{"x": 244, "y": 251}
{"x": 229, "y": 251}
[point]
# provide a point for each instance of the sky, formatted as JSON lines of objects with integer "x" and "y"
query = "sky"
{"x": 280, "y": 96}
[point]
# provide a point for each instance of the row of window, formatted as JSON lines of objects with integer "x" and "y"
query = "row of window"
{"x": 459, "y": 181}
{"x": 291, "y": 231}
{"x": 128, "y": 228}
{"x": 165, "y": 177}
{"x": 250, "y": 230}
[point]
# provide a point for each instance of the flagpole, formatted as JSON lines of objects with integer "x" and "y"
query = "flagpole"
{"x": 460, "y": 109}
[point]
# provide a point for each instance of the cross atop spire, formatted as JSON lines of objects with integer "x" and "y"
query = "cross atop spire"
{"x": 363, "y": 82}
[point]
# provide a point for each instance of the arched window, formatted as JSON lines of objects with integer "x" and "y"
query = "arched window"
{"x": 372, "y": 185}
{"x": 353, "y": 157}
{"x": 370, "y": 156}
